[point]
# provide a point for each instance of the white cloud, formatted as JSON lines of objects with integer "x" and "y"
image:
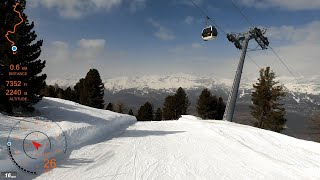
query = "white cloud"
{"x": 90, "y": 49}
{"x": 62, "y": 59}
{"x": 92, "y": 43}
{"x": 189, "y": 20}
{"x": 162, "y": 32}
{"x": 59, "y": 51}
{"x": 300, "y": 52}
{"x": 307, "y": 33}
{"x": 60, "y": 45}
{"x": 299, "y": 49}
{"x": 284, "y": 4}
{"x": 78, "y": 8}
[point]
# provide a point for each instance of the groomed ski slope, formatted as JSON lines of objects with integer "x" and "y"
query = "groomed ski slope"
{"x": 107, "y": 145}
{"x": 82, "y": 126}
{"x": 193, "y": 149}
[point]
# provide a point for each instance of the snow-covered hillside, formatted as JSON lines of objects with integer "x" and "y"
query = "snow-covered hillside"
{"x": 107, "y": 145}
{"x": 82, "y": 126}
{"x": 194, "y": 149}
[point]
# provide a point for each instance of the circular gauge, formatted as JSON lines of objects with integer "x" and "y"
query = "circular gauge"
{"x": 30, "y": 142}
{"x": 36, "y": 146}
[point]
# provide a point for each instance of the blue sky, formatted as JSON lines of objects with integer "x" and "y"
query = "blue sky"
{"x": 138, "y": 37}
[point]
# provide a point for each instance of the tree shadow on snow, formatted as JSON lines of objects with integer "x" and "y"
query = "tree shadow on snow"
{"x": 144, "y": 133}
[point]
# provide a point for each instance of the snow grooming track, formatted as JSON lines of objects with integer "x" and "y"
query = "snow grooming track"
{"x": 82, "y": 126}
{"x": 194, "y": 149}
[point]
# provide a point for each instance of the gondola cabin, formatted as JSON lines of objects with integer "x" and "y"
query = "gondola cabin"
{"x": 209, "y": 33}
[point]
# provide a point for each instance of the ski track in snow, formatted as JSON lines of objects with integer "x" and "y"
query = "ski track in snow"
{"x": 107, "y": 145}
{"x": 193, "y": 149}
{"x": 82, "y": 126}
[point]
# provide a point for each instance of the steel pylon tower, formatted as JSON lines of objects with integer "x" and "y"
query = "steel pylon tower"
{"x": 241, "y": 41}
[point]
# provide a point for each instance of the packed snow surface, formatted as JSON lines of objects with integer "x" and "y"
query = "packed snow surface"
{"x": 82, "y": 126}
{"x": 193, "y": 149}
{"x": 107, "y": 145}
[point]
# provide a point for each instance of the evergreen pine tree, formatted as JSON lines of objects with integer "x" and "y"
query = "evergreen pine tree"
{"x": 169, "y": 108}
{"x": 182, "y": 102}
{"x": 94, "y": 90}
{"x": 73, "y": 95}
{"x": 158, "y": 115}
{"x": 145, "y": 113}
{"x": 208, "y": 106}
{"x": 204, "y": 107}
{"x": 131, "y": 112}
{"x": 266, "y": 109}
{"x": 28, "y": 53}
{"x": 121, "y": 107}
{"x": 176, "y": 105}
{"x": 68, "y": 94}
{"x": 59, "y": 92}
{"x": 221, "y": 106}
{"x": 49, "y": 91}
{"x": 110, "y": 107}
{"x": 315, "y": 126}
{"x": 80, "y": 92}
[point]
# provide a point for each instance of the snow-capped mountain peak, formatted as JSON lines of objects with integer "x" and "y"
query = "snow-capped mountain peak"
{"x": 155, "y": 82}
{"x": 188, "y": 81}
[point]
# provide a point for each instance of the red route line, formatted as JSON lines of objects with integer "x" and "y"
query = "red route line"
{"x": 15, "y": 26}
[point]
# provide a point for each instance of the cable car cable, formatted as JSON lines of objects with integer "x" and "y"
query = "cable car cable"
{"x": 286, "y": 66}
{"x": 241, "y": 12}
{"x": 249, "y": 22}
{"x": 274, "y": 52}
{"x": 206, "y": 15}
{"x": 254, "y": 62}
{"x": 219, "y": 28}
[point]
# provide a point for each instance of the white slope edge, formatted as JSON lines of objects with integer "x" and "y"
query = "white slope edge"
{"x": 193, "y": 149}
{"x": 82, "y": 126}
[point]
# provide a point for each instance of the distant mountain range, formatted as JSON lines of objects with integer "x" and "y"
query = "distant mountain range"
{"x": 151, "y": 87}
{"x": 134, "y": 91}
{"x": 187, "y": 81}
